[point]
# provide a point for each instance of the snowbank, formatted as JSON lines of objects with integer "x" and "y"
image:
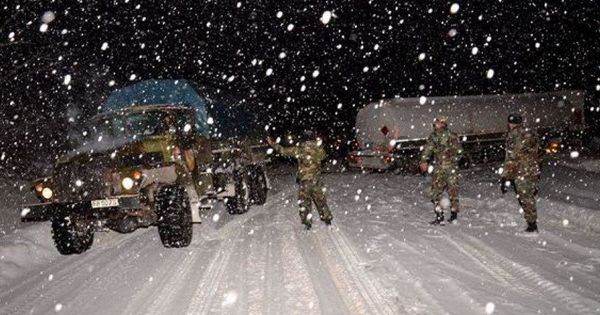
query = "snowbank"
{"x": 25, "y": 250}
{"x": 13, "y": 194}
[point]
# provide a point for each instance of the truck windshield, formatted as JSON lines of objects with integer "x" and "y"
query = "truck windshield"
{"x": 121, "y": 127}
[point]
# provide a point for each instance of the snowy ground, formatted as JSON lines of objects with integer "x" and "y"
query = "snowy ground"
{"x": 380, "y": 257}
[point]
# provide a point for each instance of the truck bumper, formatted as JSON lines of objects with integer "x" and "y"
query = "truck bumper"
{"x": 97, "y": 208}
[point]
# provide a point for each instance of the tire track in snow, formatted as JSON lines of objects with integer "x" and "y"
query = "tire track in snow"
{"x": 298, "y": 279}
{"x": 170, "y": 285}
{"x": 65, "y": 280}
{"x": 431, "y": 303}
{"x": 205, "y": 294}
{"x": 288, "y": 283}
{"x": 571, "y": 300}
{"x": 256, "y": 273}
{"x": 481, "y": 260}
{"x": 273, "y": 273}
{"x": 368, "y": 287}
{"x": 64, "y": 262}
{"x": 333, "y": 291}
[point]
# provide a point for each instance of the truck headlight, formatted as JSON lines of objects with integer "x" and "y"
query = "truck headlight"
{"x": 47, "y": 193}
{"x": 127, "y": 183}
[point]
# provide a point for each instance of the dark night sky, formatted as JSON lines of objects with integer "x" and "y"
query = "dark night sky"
{"x": 369, "y": 50}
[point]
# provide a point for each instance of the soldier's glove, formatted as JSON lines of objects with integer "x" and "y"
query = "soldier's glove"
{"x": 504, "y": 183}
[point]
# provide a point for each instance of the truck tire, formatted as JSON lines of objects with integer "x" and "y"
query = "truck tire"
{"x": 240, "y": 203}
{"x": 174, "y": 213}
{"x": 259, "y": 187}
{"x": 72, "y": 234}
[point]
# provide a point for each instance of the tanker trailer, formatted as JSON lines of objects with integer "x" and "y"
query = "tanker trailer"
{"x": 390, "y": 133}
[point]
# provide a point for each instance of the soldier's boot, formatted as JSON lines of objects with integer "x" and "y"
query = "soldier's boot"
{"x": 326, "y": 217}
{"x": 439, "y": 216}
{"x": 531, "y": 227}
{"x": 308, "y": 225}
{"x": 306, "y": 219}
{"x": 453, "y": 216}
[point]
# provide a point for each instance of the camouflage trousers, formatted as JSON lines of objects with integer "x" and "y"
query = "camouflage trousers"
{"x": 526, "y": 190}
{"x": 309, "y": 192}
{"x": 445, "y": 180}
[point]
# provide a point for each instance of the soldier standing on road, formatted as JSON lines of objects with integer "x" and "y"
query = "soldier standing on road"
{"x": 444, "y": 148}
{"x": 521, "y": 168}
{"x": 309, "y": 154}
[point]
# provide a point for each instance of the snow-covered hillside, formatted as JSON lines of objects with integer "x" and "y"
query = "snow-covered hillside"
{"x": 380, "y": 256}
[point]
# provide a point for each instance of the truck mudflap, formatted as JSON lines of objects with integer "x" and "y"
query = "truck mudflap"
{"x": 45, "y": 211}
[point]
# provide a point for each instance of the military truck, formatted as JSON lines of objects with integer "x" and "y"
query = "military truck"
{"x": 146, "y": 161}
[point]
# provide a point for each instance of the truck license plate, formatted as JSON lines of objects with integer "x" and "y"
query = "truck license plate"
{"x": 105, "y": 203}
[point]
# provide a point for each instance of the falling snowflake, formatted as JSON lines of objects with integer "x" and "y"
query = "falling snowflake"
{"x": 67, "y": 79}
{"x": 326, "y": 17}
{"x": 489, "y": 308}
{"x": 454, "y": 8}
{"x": 48, "y": 17}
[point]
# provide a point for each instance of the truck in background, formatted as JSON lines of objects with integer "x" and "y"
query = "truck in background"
{"x": 390, "y": 133}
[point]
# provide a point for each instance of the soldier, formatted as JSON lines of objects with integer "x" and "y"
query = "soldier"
{"x": 521, "y": 168}
{"x": 443, "y": 146}
{"x": 309, "y": 154}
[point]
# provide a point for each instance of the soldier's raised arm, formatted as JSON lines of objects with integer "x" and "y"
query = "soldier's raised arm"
{"x": 287, "y": 152}
{"x": 321, "y": 154}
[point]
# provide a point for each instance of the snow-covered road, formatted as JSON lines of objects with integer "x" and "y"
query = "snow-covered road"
{"x": 380, "y": 256}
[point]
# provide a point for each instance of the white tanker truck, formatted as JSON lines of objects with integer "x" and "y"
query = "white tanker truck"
{"x": 390, "y": 133}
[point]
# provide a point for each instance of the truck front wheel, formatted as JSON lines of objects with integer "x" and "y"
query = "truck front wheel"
{"x": 174, "y": 216}
{"x": 72, "y": 234}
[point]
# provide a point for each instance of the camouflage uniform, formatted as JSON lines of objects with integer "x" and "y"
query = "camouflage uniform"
{"x": 521, "y": 166}
{"x": 309, "y": 156}
{"x": 445, "y": 148}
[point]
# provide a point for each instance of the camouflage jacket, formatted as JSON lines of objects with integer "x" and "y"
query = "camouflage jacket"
{"x": 522, "y": 156}
{"x": 309, "y": 155}
{"x": 445, "y": 148}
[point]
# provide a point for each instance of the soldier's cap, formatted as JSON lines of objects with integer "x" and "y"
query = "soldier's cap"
{"x": 442, "y": 119}
{"x": 515, "y": 119}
